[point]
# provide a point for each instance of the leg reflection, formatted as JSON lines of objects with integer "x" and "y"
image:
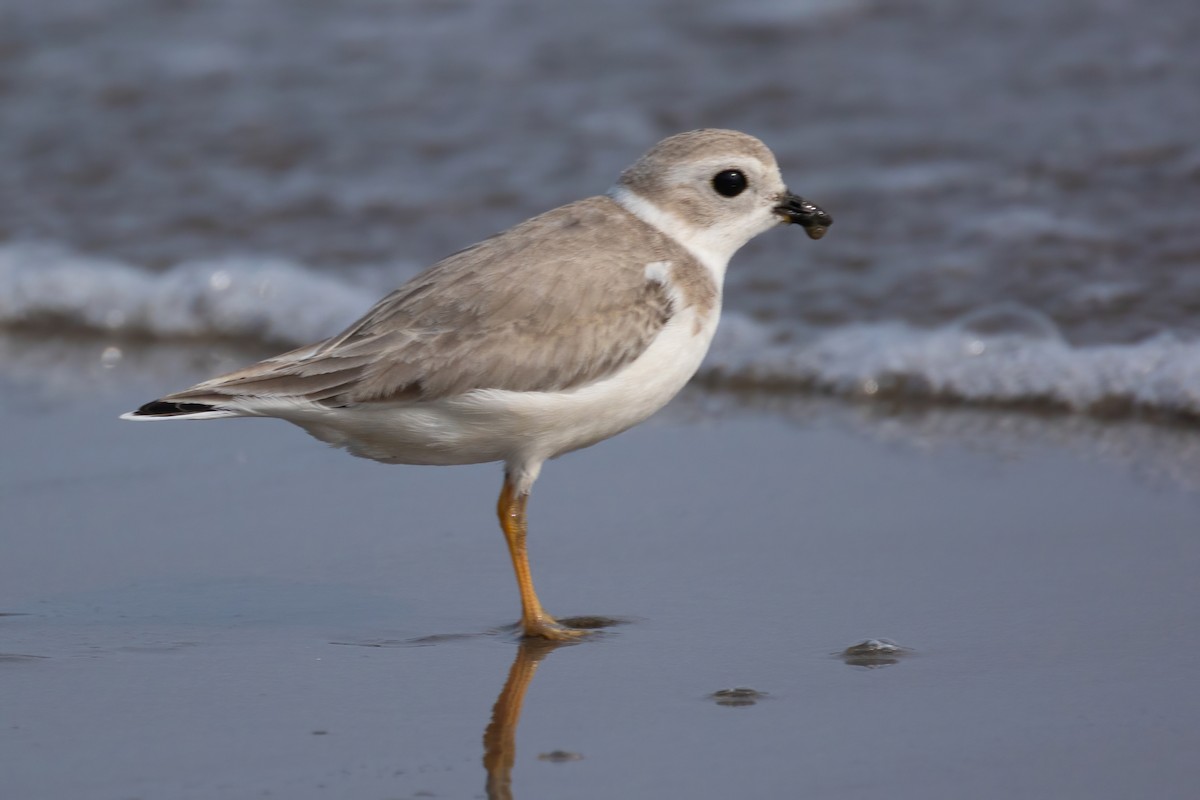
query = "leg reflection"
{"x": 500, "y": 737}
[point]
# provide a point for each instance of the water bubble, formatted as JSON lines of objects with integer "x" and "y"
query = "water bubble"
{"x": 220, "y": 280}
{"x": 1008, "y": 319}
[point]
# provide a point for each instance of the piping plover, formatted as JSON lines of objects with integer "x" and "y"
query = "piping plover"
{"x": 554, "y": 335}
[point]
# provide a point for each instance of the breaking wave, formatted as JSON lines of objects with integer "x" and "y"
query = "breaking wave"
{"x": 964, "y": 364}
{"x": 256, "y": 299}
{"x": 1005, "y": 355}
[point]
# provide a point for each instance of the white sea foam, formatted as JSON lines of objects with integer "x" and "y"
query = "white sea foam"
{"x": 263, "y": 299}
{"x": 960, "y": 363}
{"x": 1001, "y": 355}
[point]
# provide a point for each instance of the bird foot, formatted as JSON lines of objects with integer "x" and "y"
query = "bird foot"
{"x": 550, "y": 629}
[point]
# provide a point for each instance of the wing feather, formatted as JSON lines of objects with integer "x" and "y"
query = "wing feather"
{"x": 531, "y": 309}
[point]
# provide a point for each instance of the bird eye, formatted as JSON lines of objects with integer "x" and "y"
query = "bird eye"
{"x": 729, "y": 183}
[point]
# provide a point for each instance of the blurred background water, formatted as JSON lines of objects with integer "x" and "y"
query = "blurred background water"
{"x": 1015, "y": 185}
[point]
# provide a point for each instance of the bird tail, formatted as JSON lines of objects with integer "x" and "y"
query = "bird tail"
{"x": 169, "y": 409}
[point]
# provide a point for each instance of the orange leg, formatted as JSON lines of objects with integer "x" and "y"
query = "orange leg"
{"x": 534, "y": 619}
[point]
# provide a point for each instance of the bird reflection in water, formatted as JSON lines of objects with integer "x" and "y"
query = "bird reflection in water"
{"x": 500, "y": 736}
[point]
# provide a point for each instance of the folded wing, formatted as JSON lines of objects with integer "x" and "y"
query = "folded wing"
{"x": 527, "y": 310}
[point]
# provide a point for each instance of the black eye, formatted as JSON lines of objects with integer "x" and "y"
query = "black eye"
{"x": 729, "y": 183}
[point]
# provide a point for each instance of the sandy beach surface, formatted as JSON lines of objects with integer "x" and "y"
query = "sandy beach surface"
{"x": 233, "y": 610}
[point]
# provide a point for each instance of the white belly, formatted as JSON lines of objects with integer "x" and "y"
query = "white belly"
{"x": 519, "y": 427}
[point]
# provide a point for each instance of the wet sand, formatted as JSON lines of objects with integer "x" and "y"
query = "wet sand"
{"x": 232, "y": 610}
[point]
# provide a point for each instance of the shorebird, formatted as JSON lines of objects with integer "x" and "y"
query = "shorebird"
{"x": 556, "y": 334}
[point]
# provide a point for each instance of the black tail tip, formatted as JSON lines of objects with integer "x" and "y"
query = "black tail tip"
{"x": 165, "y": 408}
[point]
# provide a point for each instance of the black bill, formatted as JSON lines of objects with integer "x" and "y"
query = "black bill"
{"x": 810, "y": 216}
